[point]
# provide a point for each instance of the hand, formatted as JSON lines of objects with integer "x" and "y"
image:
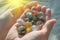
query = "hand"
{"x": 6, "y": 23}
{"x": 42, "y": 34}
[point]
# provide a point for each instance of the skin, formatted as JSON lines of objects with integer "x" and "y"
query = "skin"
{"x": 42, "y": 34}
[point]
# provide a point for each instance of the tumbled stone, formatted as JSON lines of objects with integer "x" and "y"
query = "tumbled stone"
{"x": 34, "y": 28}
{"x": 29, "y": 15}
{"x": 21, "y": 30}
{"x": 20, "y": 21}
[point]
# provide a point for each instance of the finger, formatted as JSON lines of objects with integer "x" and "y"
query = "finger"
{"x": 48, "y": 14}
{"x": 43, "y": 8}
{"x": 39, "y": 7}
{"x": 48, "y": 26}
{"x": 33, "y": 8}
{"x": 33, "y": 3}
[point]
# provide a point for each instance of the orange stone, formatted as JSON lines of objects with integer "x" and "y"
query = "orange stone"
{"x": 39, "y": 27}
{"x": 34, "y": 13}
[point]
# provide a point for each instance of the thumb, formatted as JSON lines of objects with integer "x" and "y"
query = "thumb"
{"x": 48, "y": 26}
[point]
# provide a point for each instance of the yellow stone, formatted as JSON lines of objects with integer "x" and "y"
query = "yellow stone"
{"x": 28, "y": 29}
{"x": 27, "y": 24}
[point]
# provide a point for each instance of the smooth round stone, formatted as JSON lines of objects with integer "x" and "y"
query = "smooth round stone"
{"x": 35, "y": 18}
{"x": 32, "y": 22}
{"x": 29, "y": 15}
{"x": 38, "y": 22}
{"x": 28, "y": 29}
{"x": 27, "y": 19}
{"x": 34, "y": 13}
{"x": 34, "y": 28}
{"x": 42, "y": 19}
{"x": 27, "y": 24}
{"x": 39, "y": 27}
{"x": 21, "y": 30}
{"x": 20, "y": 21}
{"x": 40, "y": 14}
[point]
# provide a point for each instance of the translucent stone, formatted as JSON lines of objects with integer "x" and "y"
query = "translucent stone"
{"x": 40, "y": 27}
{"x": 29, "y": 15}
{"x": 22, "y": 30}
{"x": 38, "y": 22}
{"x": 34, "y": 28}
{"x": 34, "y": 13}
{"x": 32, "y": 22}
{"x": 42, "y": 19}
{"x": 27, "y": 19}
{"x": 28, "y": 29}
{"x": 40, "y": 14}
{"x": 27, "y": 24}
{"x": 20, "y": 21}
{"x": 35, "y": 18}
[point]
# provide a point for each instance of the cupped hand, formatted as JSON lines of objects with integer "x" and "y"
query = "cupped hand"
{"x": 42, "y": 34}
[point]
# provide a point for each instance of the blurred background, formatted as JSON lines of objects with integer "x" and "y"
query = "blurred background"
{"x": 53, "y": 4}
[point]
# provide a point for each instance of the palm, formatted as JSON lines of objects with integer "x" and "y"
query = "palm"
{"x": 35, "y": 35}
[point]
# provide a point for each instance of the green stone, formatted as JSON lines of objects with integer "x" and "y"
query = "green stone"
{"x": 22, "y": 30}
{"x": 29, "y": 15}
{"x": 40, "y": 14}
{"x": 35, "y": 18}
{"x": 32, "y": 22}
{"x": 42, "y": 19}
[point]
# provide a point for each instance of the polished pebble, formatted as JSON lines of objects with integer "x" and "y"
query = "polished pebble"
{"x": 40, "y": 14}
{"x": 40, "y": 27}
{"x": 29, "y": 15}
{"x": 21, "y": 30}
{"x": 34, "y": 13}
{"x": 20, "y": 21}
{"x": 28, "y": 29}
{"x": 33, "y": 22}
{"x": 28, "y": 26}
{"x": 27, "y": 19}
{"x": 35, "y": 18}
{"x": 34, "y": 28}
{"x": 42, "y": 19}
{"x": 39, "y": 22}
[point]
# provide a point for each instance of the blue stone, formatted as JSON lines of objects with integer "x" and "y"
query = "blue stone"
{"x": 29, "y": 15}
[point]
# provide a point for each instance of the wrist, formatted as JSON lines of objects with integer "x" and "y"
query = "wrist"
{"x": 6, "y": 26}
{"x": 5, "y": 29}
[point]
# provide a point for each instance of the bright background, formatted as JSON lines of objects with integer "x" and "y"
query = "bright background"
{"x": 53, "y": 4}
